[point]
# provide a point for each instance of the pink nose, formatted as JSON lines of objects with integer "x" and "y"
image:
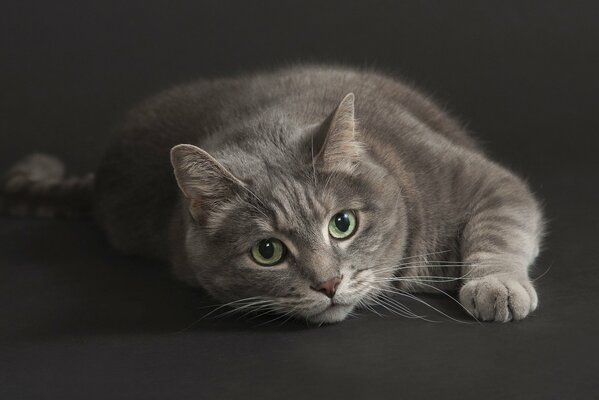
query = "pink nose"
{"x": 328, "y": 287}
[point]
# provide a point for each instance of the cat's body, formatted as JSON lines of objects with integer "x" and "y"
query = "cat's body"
{"x": 283, "y": 154}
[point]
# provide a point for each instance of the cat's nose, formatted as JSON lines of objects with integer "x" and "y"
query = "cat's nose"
{"x": 329, "y": 287}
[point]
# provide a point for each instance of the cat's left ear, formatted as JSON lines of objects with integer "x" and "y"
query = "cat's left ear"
{"x": 204, "y": 181}
{"x": 335, "y": 144}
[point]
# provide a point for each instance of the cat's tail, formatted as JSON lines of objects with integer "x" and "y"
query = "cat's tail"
{"x": 37, "y": 186}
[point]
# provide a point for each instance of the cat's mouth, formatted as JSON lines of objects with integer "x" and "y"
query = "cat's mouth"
{"x": 334, "y": 303}
{"x": 334, "y": 312}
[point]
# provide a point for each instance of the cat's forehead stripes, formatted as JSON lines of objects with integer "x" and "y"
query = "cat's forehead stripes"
{"x": 296, "y": 207}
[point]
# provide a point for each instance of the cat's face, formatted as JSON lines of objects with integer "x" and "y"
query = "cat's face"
{"x": 314, "y": 240}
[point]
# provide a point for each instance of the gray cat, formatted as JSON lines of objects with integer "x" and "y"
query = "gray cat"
{"x": 307, "y": 192}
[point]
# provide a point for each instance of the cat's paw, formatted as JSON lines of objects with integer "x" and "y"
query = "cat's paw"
{"x": 499, "y": 298}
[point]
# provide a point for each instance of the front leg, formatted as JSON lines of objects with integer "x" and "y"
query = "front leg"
{"x": 499, "y": 242}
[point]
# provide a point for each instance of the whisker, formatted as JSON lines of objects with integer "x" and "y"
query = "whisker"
{"x": 362, "y": 303}
{"x": 432, "y": 266}
{"x": 452, "y": 299}
{"x": 405, "y": 311}
{"x": 542, "y": 275}
{"x": 411, "y": 296}
{"x": 270, "y": 310}
{"x": 243, "y": 307}
{"x": 277, "y": 318}
{"x": 379, "y": 300}
{"x": 423, "y": 265}
{"x": 270, "y": 307}
{"x": 226, "y": 304}
{"x": 426, "y": 254}
{"x": 286, "y": 320}
{"x": 218, "y": 307}
{"x": 422, "y": 278}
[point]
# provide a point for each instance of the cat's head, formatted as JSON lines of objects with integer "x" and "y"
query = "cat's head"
{"x": 298, "y": 220}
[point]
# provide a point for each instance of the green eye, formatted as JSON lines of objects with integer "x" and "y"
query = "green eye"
{"x": 342, "y": 225}
{"x": 268, "y": 252}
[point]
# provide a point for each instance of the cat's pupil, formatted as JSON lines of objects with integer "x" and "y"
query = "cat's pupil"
{"x": 266, "y": 249}
{"x": 342, "y": 221}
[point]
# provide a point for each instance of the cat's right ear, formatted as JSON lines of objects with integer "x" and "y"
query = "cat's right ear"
{"x": 335, "y": 143}
{"x": 202, "y": 179}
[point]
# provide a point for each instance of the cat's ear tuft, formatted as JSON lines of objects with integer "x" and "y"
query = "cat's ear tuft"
{"x": 202, "y": 179}
{"x": 335, "y": 142}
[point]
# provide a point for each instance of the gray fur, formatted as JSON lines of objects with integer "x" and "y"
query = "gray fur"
{"x": 277, "y": 154}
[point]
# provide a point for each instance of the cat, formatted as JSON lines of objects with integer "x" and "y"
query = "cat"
{"x": 306, "y": 191}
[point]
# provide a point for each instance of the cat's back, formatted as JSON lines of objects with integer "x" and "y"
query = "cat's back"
{"x": 385, "y": 104}
{"x": 306, "y": 92}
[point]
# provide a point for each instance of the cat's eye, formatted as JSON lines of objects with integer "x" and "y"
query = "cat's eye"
{"x": 268, "y": 252}
{"x": 343, "y": 224}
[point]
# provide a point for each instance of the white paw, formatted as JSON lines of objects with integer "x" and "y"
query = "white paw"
{"x": 499, "y": 298}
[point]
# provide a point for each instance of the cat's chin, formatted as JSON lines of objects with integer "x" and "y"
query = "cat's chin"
{"x": 332, "y": 314}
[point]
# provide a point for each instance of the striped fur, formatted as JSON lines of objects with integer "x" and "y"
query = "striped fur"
{"x": 277, "y": 154}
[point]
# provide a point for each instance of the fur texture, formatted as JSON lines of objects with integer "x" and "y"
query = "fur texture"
{"x": 277, "y": 155}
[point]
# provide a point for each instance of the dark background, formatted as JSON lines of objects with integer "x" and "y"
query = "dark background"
{"x": 78, "y": 320}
